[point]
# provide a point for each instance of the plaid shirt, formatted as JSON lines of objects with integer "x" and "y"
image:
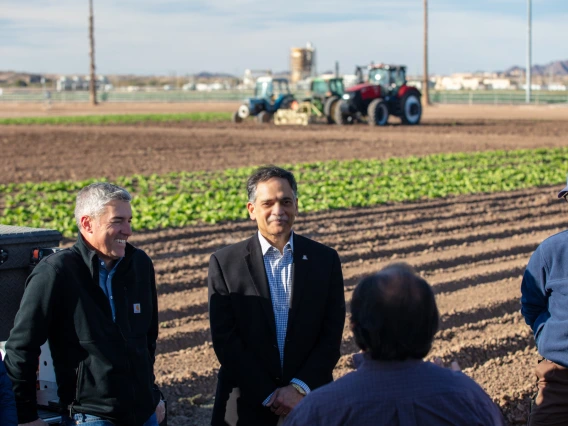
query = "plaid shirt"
{"x": 278, "y": 268}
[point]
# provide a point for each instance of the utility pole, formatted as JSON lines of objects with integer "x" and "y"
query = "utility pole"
{"x": 93, "y": 85}
{"x": 425, "y": 89}
{"x": 529, "y": 59}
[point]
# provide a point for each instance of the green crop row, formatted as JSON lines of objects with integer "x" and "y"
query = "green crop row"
{"x": 183, "y": 198}
{"x": 119, "y": 118}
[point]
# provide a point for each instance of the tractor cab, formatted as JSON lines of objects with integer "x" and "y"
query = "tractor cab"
{"x": 336, "y": 87}
{"x": 390, "y": 77}
{"x": 271, "y": 89}
{"x": 270, "y": 94}
{"x": 323, "y": 88}
{"x": 325, "y": 94}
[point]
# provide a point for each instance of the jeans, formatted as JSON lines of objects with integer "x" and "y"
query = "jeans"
{"x": 87, "y": 419}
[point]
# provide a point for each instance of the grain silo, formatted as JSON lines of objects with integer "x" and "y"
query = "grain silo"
{"x": 302, "y": 62}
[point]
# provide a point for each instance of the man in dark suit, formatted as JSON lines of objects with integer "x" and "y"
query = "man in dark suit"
{"x": 277, "y": 309}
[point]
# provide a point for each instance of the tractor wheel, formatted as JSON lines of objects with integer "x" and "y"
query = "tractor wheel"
{"x": 411, "y": 109}
{"x": 338, "y": 116}
{"x": 328, "y": 108}
{"x": 243, "y": 111}
{"x": 377, "y": 113}
{"x": 264, "y": 117}
{"x": 236, "y": 117}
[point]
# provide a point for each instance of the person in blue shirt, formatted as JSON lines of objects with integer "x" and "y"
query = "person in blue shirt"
{"x": 544, "y": 304}
{"x": 394, "y": 319}
{"x": 8, "y": 416}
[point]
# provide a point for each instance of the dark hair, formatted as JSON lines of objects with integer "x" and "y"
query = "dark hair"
{"x": 394, "y": 314}
{"x": 265, "y": 173}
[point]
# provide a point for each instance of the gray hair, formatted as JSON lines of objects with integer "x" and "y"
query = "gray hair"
{"x": 92, "y": 199}
{"x": 266, "y": 173}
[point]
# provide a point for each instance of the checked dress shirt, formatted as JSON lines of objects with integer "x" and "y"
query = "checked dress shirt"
{"x": 279, "y": 272}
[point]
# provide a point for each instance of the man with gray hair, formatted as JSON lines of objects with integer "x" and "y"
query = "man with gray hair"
{"x": 96, "y": 304}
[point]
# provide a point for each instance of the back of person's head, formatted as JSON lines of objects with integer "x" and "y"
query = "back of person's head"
{"x": 394, "y": 315}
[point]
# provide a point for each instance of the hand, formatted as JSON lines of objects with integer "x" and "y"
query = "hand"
{"x": 38, "y": 422}
{"x": 454, "y": 366}
{"x": 284, "y": 400}
{"x": 160, "y": 411}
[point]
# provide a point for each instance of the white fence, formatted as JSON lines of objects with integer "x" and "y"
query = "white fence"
{"x": 497, "y": 97}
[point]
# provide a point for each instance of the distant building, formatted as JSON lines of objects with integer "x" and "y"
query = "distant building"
{"x": 498, "y": 84}
{"x": 419, "y": 84}
{"x": 79, "y": 83}
{"x": 34, "y": 78}
{"x": 302, "y": 62}
{"x": 349, "y": 80}
{"x": 63, "y": 83}
{"x": 533, "y": 87}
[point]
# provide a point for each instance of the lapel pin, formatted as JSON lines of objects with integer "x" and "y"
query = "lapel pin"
{"x": 304, "y": 257}
{"x": 137, "y": 308}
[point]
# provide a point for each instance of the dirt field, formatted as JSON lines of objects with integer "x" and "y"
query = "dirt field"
{"x": 79, "y": 152}
{"x": 472, "y": 249}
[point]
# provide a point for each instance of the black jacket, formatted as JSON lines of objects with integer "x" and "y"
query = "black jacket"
{"x": 102, "y": 368}
{"x": 243, "y": 327}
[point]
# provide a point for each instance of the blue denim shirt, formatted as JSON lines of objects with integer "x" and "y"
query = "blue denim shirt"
{"x": 105, "y": 281}
{"x": 544, "y": 300}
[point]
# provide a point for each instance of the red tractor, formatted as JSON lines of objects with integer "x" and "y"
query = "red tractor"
{"x": 384, "y": 92}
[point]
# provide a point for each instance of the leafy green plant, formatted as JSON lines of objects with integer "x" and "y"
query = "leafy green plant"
{"x": 183, "y": 198}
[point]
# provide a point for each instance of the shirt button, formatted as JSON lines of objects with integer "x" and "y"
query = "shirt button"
{"x": 110, "y": 297}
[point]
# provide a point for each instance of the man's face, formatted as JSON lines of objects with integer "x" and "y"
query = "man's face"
{"x": 274, "y": 208}
{"x": 108, "y": 233}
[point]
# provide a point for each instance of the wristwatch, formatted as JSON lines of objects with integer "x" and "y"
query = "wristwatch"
{"x": 300, "y": 390}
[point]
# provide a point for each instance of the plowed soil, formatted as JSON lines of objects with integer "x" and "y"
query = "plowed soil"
{"x": 40, "y": 153}
{"x": 472, "y": 249}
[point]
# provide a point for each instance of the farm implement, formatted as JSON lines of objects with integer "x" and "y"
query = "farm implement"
{"x": 325, "y": 96}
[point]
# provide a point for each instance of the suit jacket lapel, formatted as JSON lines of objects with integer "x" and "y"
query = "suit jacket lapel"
{"x": 255, "y": 264}
{"x": 301, "y": 269}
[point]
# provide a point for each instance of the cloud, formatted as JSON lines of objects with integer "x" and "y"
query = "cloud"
{"x": 158, "y": 37}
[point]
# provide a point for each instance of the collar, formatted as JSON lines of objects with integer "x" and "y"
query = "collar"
{"x": 102, "y": 264}
{"x": 90, "y": 256}
{"x": 363, "y": 361}
{"x": 265, "y": 245}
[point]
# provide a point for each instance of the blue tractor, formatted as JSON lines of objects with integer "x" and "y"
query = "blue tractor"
{"x": 270, "y": 95}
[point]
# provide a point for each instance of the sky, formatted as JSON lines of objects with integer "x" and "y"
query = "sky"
{"x": 167, "y": 37}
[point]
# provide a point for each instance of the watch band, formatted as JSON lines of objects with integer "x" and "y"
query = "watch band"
{"x": 300, "y": 390}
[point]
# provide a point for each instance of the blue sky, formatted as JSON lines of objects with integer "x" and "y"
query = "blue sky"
{"x": 174, "y": 36}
